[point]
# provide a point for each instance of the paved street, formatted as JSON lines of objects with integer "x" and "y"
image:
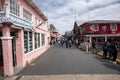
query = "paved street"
{"x": 63, "y": 61}
{"x": 69, "y": 61}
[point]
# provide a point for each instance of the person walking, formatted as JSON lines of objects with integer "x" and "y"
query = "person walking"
{"x": 59, "y": 43}
{"x": 105, "y": 49}
{"x": 66, "y": 42}
{"x": 115, "y": 51}
{"x": 70, "y": 43}
{"x": 76, "y": 43}
{"x": 94, "y": 47}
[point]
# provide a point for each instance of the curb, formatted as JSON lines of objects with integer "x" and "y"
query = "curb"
{"x": 100, "y": 54}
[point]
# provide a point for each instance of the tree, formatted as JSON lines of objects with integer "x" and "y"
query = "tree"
{"x": 52, "y": 27}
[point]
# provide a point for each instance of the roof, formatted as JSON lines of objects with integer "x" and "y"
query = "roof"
{"x": 36, "y": 8}
{"x": 104, "y": 21}
{"x": 79, "y": 22}
{"x": 101, "y": 35}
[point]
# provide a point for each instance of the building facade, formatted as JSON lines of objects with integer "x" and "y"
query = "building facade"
{"x": 24, "y": 34}
{"x": 99, "y": 30}
{"x": 54, "y": 34}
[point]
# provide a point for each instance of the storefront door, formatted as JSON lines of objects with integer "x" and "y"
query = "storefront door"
{"x": 1, "y": 56}
{"x": 14, "y": 49}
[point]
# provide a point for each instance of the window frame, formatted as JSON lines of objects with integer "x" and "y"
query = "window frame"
{"x": 37, "y": 40}
{"x": 29, "y": 44}
{"x": 14, "y": 8}
{"x": 111, "y": 26}
{"x": 104, "y": 28}
{"x": 42, "y": 39}
{"x": 93, "y": 26}
{"x": 27, "y": 15}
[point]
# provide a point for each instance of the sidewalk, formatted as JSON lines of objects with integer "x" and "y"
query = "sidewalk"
{"x": 69, "y": 77}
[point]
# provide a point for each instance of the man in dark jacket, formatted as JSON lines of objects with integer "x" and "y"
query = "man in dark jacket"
{"x": 105, "y": 48}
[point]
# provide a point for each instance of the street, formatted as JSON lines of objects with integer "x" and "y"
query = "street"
{"x": 67, "y": 61}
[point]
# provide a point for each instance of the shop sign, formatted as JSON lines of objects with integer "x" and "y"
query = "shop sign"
{"x": 21, "y": 22}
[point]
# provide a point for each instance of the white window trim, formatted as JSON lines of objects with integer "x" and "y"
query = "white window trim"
{"x": 29, "y": 15}
{"x": 104, "y": 26}
{"x": 93, "y": 25}
{"x": 28, "y": 33}
{"x": 17, "y": 8}
{"x": 42, "y": 40}
{"x": 114, "y": 25}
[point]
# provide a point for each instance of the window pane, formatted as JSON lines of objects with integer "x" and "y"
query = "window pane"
{"x": 43, "y": 39}
{"x": 27, "y": 15}
{"x": 113, "y": 26}
{"x": 35, "y": 40}
{"x": 104, "y": 28}
{"x": 26, "y": 41}
{"x": 14, "y": 7}
{"x": 95, "y": 27}
{"x": 38, "y": 39}
{"x": 30, "y": 41}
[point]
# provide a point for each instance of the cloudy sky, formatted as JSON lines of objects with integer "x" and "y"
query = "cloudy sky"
{"x": 63, "y": 13}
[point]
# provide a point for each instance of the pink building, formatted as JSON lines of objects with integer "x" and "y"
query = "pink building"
{"x": 24, "y": 34}
{"x": 54, "y": 33}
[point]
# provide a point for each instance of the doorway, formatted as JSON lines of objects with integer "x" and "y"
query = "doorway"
{"x": 1, "y": 56}
{"x": 13, "y": 49}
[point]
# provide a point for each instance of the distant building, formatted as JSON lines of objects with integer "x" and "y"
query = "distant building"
{"x": 24, "y": 34}
{"x": 54, "y": 34}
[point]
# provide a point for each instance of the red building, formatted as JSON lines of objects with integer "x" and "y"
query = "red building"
{"x": 99, "y": 30}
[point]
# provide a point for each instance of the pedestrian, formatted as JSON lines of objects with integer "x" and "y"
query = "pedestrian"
{"x": 70, "y": 43}
{"x": 76, "y": 43}
{"x": 59, "y": 43}
{"x": 115, "y": 51}
{"x": 66, "y": 42}
{"x": 94, "y": 46}
{"x": 110, "y": 51}
{"x": 105, "y": 49}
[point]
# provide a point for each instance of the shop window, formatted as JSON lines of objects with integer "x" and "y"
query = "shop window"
{"x": 113, "y": 27}
{"x": 43, "y": 39}
{"x": 25, "y": 41}
{"x": 37, "y": 40}
{"x": 27, "y": 15}
{"x": 28, "y": 41}
{"x": 14, "y": 7}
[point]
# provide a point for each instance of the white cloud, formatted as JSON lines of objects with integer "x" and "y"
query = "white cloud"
{"x": 62, "y": 13}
